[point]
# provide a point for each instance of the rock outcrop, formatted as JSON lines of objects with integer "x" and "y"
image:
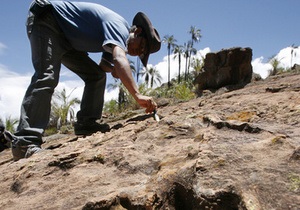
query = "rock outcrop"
{"x": 296, "y": 68}
{"x": 228, "y": 150}
{"x": 224, "y": 68}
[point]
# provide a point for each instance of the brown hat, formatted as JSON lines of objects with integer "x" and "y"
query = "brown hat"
{"x": 152, "y": 36}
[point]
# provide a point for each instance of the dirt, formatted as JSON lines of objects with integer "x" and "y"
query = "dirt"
{"x": 227, "y": 150}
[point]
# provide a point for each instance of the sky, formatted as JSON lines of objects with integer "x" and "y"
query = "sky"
{"x": 269, "y": 27}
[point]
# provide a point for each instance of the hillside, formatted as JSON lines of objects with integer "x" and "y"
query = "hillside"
{"x": 226, "y": 150}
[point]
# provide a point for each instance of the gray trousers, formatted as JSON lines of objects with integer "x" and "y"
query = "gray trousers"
{"x": 50, "y": 49}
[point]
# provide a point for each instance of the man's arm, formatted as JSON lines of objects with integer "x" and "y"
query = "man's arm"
{"x": 123, "y": 71}
{"x": 106, "y": 66}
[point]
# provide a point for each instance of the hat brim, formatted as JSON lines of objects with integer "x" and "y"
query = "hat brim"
{"x": 152, "y": 36}
{"x": 145, "y": 58}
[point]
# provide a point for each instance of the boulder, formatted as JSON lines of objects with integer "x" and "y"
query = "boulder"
{"x": 296, "y": 68}
{"x": 226, "y": 67}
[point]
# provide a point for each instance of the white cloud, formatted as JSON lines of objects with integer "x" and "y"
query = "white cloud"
{"x": 162, "y": 66}
{"x": 259, "y": 66}
{"x": 288, "y": 57}
{"x": 77, "y": 87}
{"x": 13, "y": 87}
{"x": 263, "y": 69}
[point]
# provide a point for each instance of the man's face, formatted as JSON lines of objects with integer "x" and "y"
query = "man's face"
{"x": 136, "y": 45}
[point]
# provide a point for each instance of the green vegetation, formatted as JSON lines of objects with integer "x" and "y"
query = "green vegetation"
{"x": 294, "y": 180}
{"x": 62, "y": 112}
{"x": 177, "y": 92}
{"x": 152, "y": 76}
{"x": 275, "y": 66}
{"x": 178, "y": 52}
{"x": 275, "y": 62}
{"x": 195, "y": 37}
{"x": 10, "y": 123}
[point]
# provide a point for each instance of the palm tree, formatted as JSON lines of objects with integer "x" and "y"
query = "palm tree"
{"x": 192, "y": 51}
{"x": 170, "y": 41}
{"x": 133, "y": 69}
{"x": 137, "y": 69}
{"x": 292, "y": 53}
{"x": 152, "y": 76}
{"x": 186, "y": 56}
{"x": 122, "y": 97}
{"x": 188, "y": 51}
{"x": 197, "y": 66}
{"x": 63, "y": 106}
{"x": 196, "y": 35}
{"x": 178, "y": 52}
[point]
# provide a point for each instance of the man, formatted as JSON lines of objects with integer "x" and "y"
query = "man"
{"x": 63, "y": 32}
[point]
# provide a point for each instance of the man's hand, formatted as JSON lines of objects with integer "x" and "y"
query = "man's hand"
{"x": 123, "y": 71}
{"x": 146, "y": 102}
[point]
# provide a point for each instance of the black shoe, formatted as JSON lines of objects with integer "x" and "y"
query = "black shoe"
{"x": 26, "y": 151}
{"x": 90, "y": 128}
{"x": 2, "y": 138}
{"x": 22, "y": 148}
{"x": 5, "y": 138}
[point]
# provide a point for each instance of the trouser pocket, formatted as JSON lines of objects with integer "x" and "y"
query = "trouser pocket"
{"x": 29, "y": 23}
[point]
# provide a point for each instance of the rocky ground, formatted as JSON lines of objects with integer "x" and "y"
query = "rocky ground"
{"x": 227, "y": 150}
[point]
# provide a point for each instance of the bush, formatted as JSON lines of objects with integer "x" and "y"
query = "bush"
{"x": 50, "y": 131}
{"x": 183, "y": 91}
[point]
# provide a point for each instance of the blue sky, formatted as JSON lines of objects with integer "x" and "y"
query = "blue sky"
{"x": 267, "y": 26}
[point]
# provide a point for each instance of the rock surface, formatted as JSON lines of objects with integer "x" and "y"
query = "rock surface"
{"x": 228, "y": 150}
{"x": 226, "y": 67}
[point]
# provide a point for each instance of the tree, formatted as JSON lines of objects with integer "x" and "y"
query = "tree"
{"x": 170, "y": 41}
{"x": 186, "y": 56}
{"x": 196, "y": 34}
{"x": 188, "y": 51}
{"x": 152, "y": 76}
{"x": 62, "y": 106}
{"x": 192, "y": 51}
{"x": 122, "y": 97}
{"x": 133, "y": 69}
{"x": 293, "y": 53}
{"x": 195, "y": 37}
{"x": 197, "y": 65}
{"x": 178, "y": 52}
{"x": 137, "y": 69}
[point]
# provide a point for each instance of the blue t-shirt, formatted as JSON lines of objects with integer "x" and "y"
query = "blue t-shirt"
{"x": 91, "y": 27}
